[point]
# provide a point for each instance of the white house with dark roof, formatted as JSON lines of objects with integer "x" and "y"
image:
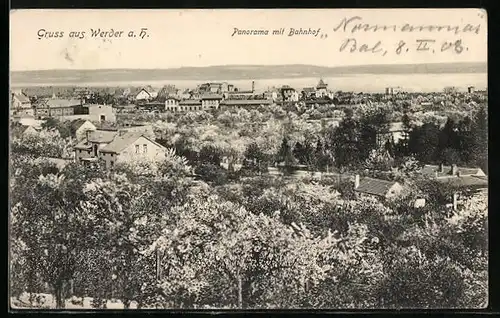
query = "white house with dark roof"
{"x": 376, "y": 187}
{"x": 131, "y": 146}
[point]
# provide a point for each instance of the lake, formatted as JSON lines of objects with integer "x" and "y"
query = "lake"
{"x": 370, "y": 83}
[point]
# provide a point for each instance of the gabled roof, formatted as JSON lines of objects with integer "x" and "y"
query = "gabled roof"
{"x": 211, "y": 96}
{"x": 309, "y": 89}
{"x": 376, "y": 187}
{"x": 474, "y": 182}
{"x": 321, "y": 84}
{"x": 84, "y": 145}
{"x": 430, "y": 171}
{"x": 77, "y": 123}
{"x": 22, "y": 98}
{"x": 61, "y": 103}
{"x": 102, "y": 136}
{"x": 122, "y": 142}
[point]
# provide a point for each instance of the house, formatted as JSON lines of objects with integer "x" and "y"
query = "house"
{"x": 89, "y": 148}
{"x": 243, "y": 103}
{"x": 442, "y": 171}
{"x": 214, "y": 88}
{"x": 172, "y": 104}
{"x": 131, "y": 146}
{"x": 321, "y": 89}
{"x": 271, "y": 95}
{"x": 376, "y": 187}
{"x": 189, "y": 105}
{"x": 21, "y": 104}
{"x": 146, "y": 93}
{"x": 308, "y": 92}
{"x": 472, "y": 179}
{"x": 210, "y": 101}
{"x": 55, "y": 107}
{"x": 100, "y": 113}
{"x": 289, "y": 94}
{"x": 79, "y": 128}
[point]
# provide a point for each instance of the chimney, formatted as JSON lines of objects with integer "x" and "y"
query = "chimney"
{"x": 441, "y": 168}
{"x": 356, "y": 181}
{"x": 454, "y": 169}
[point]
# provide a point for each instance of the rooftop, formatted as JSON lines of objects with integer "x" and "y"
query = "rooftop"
{"x": 121, "y": 142}
{"x": 476, "y": 182}
{"x": 211, "y": 96}
{"x": 376, "y": 187}
{"x": 60, "y": 103}
{"x": 430, "y": 171}
{"x": 321, "y": 84}
{"x": 245, "y": 102}
{"x": 22, "y": 98}
{"x": 102, "y": 136}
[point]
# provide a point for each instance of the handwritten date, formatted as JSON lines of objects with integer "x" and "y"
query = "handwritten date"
{"x": 352, "y": 45}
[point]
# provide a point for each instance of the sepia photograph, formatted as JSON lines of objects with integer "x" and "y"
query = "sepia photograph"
{"x": 248, "y": 159}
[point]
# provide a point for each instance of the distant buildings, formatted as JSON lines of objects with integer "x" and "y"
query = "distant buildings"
{"x": 55, "y": 107}
{"x": 289, "y": 94}
{"x": 393, "y": 90}
{"x": 321, "y": 89}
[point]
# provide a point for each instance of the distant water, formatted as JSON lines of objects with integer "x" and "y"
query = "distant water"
{"x": 370, "y": 83}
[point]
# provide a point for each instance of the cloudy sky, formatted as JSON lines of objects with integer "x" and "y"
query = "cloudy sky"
{"x": 204, "y": 37}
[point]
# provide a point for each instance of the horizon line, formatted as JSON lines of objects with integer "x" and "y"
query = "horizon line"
{"x": 248, "y": 65}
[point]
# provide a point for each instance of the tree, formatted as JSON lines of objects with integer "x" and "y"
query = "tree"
{"x": 255, "y": 158}
{"x": 344, "y": 142}
{"x": 423, "y": 142}
{"x": 211, "y": 155}
{"x": 480, "y": 139}
{"x": 285, "y": 154}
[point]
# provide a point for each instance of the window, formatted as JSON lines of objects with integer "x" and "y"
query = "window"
{"x": 111, "y": 163}
{"x": 103, "y": 118}
{"x": 144, "y": 148}
{"x": 136, "y": 148}
{"x": 111, "y": 154}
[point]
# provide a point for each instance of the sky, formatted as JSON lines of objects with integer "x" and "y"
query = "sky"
{"x": 178, "y": 38}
